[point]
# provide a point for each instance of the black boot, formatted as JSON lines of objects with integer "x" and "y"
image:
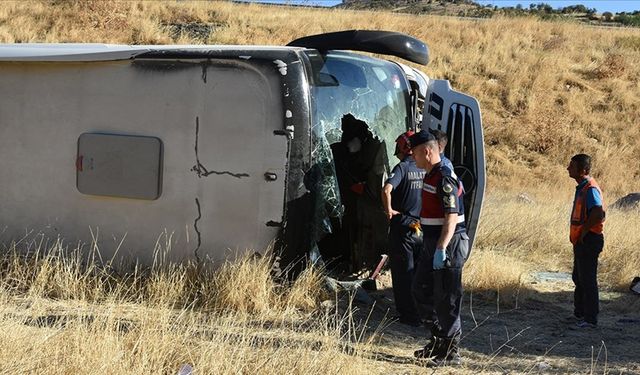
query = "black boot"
{"x": 434, "y": 349}
{"x": 448, "y": 353}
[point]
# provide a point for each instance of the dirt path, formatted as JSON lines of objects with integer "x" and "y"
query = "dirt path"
{"x": 533, "y": 337}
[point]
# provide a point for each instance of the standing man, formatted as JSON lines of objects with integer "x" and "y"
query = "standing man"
{"x": 587, "y": 218}
{"x": 401, "y": 201}
{"x": 359, "y": 160}
{"x": 446, "y": 249}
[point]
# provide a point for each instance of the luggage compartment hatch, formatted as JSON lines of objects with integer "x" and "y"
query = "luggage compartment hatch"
{"x": 119, "y": 166}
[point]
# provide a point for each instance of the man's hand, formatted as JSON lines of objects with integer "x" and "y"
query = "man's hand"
{"x": 583, "y": 233}
{"x": 392, "y": 213}
{"x": 439, "y": 257}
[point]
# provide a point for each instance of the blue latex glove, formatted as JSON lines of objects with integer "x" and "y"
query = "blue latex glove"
{"x": 439, "y": 257}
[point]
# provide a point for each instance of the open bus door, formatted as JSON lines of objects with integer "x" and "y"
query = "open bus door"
{"x": 458, "y": 115}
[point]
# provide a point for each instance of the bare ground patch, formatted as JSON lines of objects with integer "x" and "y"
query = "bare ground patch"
{"x": 534, "y": 335}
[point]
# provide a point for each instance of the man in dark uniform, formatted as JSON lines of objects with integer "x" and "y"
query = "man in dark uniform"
{"x": 401, "y": 202}
{"x": 360, "y": 169}
{"x": 446, "y": 249}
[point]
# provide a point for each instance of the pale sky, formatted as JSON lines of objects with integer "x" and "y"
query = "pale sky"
{"x": 614, "y": 6}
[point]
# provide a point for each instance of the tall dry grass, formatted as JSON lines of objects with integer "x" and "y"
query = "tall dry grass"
{"x": 547, "y": 89}
{"x": 49, "y": 337}
{"x": 517, "y": 236}
{"x": 59, "y": 271}
{"x": 64, "y": 312}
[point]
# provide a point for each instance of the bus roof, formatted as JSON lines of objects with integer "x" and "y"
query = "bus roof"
{"x": 106, "y": 52}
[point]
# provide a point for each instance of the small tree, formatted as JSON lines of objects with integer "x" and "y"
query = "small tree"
{"x": 607, "y": 16}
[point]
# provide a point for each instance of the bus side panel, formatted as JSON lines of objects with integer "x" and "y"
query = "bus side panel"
{"x": 215, "y": 121}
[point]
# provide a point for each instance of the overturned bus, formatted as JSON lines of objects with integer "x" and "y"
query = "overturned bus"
{"x": 208, "y": 151}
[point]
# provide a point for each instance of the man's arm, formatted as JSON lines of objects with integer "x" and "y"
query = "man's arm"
{"x": 596, "y": 212}
{"x": 448, "y": 229}
{"x": 397, "y": 174}
{"x": 595, "y": 216}
{"x": 448, "y": 191}
{"x": 386, "y": 201}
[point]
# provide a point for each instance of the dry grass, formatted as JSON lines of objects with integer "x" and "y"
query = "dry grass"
{"x": 516, "y": 237}
{"x": 54, "y": 338}
{"x": 62, "y": 312}
{"x": 491, "y": 271}
{"x": 55, "y": 270}
{"x": 238, "y": 319}
{"x": 65, "y": 313}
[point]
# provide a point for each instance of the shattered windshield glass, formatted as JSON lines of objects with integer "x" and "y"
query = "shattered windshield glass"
{"x": 373, "y": 91}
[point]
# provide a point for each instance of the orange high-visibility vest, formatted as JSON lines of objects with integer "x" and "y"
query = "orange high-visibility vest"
{"x": 579, "y": 214}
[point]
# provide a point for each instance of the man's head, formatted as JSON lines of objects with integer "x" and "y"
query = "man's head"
{"x": 354, "y": 132}
{"x": 403, "y": 147}
{"x": 424, "y": 147}
{"x": 579, "y": 166}
{"x": 441, "y": 137}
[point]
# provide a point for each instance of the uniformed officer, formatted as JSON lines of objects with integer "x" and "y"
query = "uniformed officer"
{"x": 446, "y": 249}
{"x": 587, "y": 221}
{"x": 401, "y": 202}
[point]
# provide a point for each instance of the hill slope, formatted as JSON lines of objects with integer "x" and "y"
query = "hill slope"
{"x": 442, "y": 7}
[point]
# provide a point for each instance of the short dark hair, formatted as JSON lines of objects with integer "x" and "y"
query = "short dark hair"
{"x": 421, "y": 137}
{"x": 582, "y": 161}
{"x": 441, "y": 136}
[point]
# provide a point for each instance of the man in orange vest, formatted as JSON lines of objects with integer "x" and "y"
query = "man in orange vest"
{"x": 587, "y": 218}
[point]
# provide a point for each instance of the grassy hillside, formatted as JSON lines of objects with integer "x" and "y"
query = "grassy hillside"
{"x": 468, "y": 8}
{"x": 547, "y": 89}
{"x": 443, "y": 8}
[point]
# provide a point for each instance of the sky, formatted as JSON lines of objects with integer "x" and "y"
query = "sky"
{"x": 614, "y": 6}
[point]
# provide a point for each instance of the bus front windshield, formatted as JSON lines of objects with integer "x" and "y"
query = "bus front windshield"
{"x": 353, "y": 96}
